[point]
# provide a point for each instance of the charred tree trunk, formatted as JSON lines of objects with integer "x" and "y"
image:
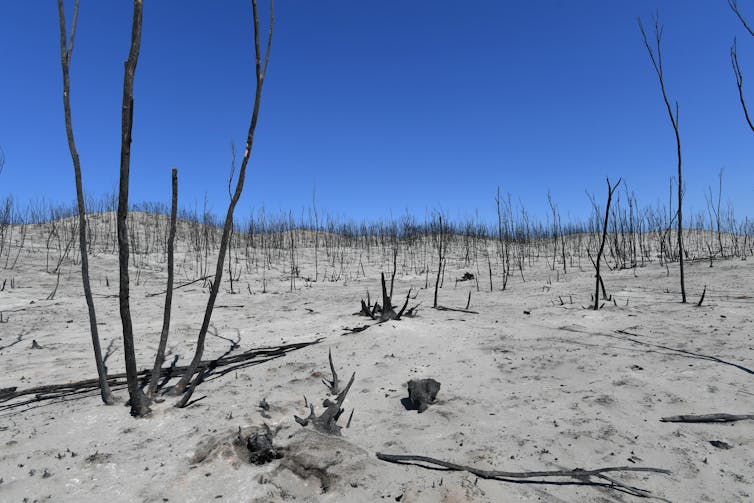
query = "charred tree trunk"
{"x": 139, "y": 406}
{"x": 657, "y": 64}
{"x": 261, "y": 69}
{"x": 66, "y": 48}
{"x": 440, "y": 259}
{"x": 160, "y": 358}
{"x": 610, "y": 190}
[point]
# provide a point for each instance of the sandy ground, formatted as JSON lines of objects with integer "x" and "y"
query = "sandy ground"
{"x": 528, "y": 383}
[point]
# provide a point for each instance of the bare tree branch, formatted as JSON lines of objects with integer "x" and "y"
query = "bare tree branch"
{"x": 739, "y": 82}
{"x": 733, "y": 4}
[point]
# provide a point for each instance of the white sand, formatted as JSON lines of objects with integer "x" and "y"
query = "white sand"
{"x": 557, "y": 388}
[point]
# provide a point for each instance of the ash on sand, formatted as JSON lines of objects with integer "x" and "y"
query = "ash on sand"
{"x": 304, "y": 465}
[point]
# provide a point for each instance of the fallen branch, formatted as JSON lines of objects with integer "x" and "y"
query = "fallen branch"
{"x": 19, "y": 338}
{"x": 707, "y": 418}
{"x": 456, "y": 309}
{"x": 91, "y": 386}
{"x": 355, "y": 330}
{"x": 682, "y": 351}
{"x": 179, "y": 286}
{"x": 581, "y": 475}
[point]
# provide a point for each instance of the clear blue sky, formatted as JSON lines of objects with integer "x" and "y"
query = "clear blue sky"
{"x": 383, "y": 106}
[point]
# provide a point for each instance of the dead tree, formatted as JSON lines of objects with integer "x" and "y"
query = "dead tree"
{"x": 66, "y": 49}
{"x": 714, "y": 210}
{"x": 657, "y": 65}
{"x": 139, "y": 405}
{"x": 440, "y": 257}
{"x": 734, "y": 61}
{"x": 230, "y": 196}
{"x": 160, "y": 357}
{"x": 261, "y": 70}
{"x": 316, "y": 234}
{"x": 610, "y": 190}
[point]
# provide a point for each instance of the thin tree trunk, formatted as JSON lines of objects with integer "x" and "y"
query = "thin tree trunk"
{"x": 657, "y": 64}
{"x": 680, "y": 216}
{"x": 139, "y": 406}
{"x": 598, "y": 281}
{"x": 160, "y": 358}
{"x": 65, "y": 57}
{"x": 261, "y": 70}
{"x": 439, "y": 261}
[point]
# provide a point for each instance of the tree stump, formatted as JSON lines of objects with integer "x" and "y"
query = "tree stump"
{"x": 422, "y": 393}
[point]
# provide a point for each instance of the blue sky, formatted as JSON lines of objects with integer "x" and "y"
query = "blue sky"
{"x": 384, "y": 107}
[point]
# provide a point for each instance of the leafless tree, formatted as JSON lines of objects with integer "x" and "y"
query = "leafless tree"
{"x": 230, "y": 196}
{"x": 610, "y": 190}
{"x": 714, "y": 210}
{"x": 261, "y": 70}
{"x": 441, "y": 251}
{"x": 160, "y": 357}
{"x": 66, "y": 49}
{"x": 316, "y": 233}
{"x": 139, "y": 403}
{"x": 655, "y": 55}
{"x": 734, "y": 61}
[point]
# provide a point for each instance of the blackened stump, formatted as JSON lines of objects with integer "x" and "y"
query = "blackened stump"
{"x": 422, "y": 393}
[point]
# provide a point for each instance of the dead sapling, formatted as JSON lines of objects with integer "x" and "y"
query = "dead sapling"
{"x": 327, "y": 421}
{"x": 598, "y": 281}
{"x": 701, "y": 299}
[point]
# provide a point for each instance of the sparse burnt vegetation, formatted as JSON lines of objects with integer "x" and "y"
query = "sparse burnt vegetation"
{"x": 229, "y": 312}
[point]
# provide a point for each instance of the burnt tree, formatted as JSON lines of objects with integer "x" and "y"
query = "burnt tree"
{"x": 261, "y": 62}
{"x": 66, "y": 49}
{"x": 139, "y": 404}
{"x": 610, "y": 190}
{"x": 160, "y": 357}
{"x": 655, "y": 55}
